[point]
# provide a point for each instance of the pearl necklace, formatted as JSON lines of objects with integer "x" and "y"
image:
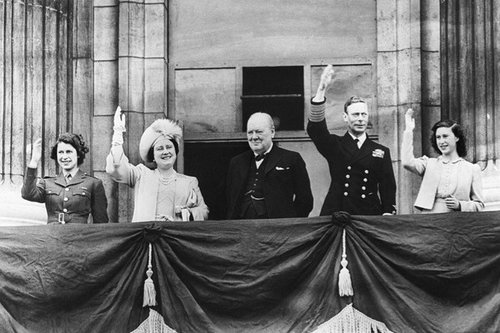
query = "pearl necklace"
{"x": 166, "y": 180}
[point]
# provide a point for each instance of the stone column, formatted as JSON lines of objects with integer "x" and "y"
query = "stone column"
{"x": 431, "y": 74}
{"x": 399, "y": 84}
{"x": 104, "y": 90}
{"x": 34, "y": 97}
{"x": 130, "y": 70}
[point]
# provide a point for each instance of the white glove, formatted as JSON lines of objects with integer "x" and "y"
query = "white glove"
{"x": 409, "y": 120}
{"x": 118, "y": 127}
{"x": 326, "y": 77}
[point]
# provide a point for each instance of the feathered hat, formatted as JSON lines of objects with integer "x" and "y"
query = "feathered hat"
{"x": 160, "y": 128}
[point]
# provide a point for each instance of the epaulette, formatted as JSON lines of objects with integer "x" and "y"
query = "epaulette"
{"x": 87, "y": 175}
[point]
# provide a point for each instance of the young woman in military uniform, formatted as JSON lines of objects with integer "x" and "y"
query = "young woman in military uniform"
{"x": 72, "y": 195}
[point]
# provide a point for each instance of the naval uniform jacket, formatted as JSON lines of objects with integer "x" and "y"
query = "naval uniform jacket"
{"x": 362, "y": 179}
{"x": 67, "y": 203}
{"x": 286, "y": 185}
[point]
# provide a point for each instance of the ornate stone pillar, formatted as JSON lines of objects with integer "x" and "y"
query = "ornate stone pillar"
{"x": 34, "y": 98}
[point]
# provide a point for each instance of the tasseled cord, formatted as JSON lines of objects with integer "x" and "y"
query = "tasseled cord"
{"x": 345, "y": 284}
{"x": 149, "y": 287}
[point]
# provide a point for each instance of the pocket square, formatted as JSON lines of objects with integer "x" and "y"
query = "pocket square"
{"x": 378, "y": 153}
{"x": 281, "y": 168}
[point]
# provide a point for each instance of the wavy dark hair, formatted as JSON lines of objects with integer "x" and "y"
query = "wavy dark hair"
{"x": 457, "y": 130}
{"x": 76, "y": 140}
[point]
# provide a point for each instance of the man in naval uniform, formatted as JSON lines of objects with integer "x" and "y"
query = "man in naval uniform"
{"x": 362, "y": 178}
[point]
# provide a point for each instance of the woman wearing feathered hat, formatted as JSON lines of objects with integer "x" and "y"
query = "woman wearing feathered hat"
{"x": 160, "y": 193}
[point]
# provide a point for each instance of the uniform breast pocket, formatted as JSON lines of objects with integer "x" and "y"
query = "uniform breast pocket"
{"x": 82, "y": 194}
{"x": 52, "y": 198}
{"x": 52, "y": 191}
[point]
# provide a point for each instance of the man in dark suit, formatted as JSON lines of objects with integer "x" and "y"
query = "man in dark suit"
{"x": 267, "y": 181}
{"x": 362, "y": 179}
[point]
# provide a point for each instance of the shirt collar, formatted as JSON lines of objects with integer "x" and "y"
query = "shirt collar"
{"x": 440, "y": 158}
{"x": 266, "y": 152}
{"x": 65, "y": 174}
{"x": 361, "y": 138}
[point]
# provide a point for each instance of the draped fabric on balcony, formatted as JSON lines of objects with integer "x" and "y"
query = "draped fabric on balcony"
{"x": 413, "y": 273}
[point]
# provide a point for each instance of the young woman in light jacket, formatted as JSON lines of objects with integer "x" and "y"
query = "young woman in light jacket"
{"x": 449, "y": 182}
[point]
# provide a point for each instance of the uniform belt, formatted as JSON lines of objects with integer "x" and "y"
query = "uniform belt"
{"x": 66, "y": 218}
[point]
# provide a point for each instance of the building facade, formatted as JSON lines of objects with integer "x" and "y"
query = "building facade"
{"x": 66, "y": 66}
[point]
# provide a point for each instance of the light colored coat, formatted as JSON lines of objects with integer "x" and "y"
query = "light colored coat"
{"x": 468, "y": 189}
{"x": 146, "y": 182}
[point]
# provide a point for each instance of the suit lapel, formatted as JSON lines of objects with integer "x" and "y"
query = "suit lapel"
{"x": 60, "y": 180}
{"x": 365, "y": 150}
{"x": 349, "y": 145}
{"x": 272, "y": 158}
{"x": 78, "y": 177}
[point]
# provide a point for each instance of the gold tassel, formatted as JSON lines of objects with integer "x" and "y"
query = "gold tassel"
{"x": 149, "y": 286}
{"x": 345, "y": 284}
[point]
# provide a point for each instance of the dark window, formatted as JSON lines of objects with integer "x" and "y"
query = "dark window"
{"x": 211, "y": 170}
{"x": 278, "y": 91}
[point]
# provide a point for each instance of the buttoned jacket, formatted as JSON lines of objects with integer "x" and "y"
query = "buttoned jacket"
{"x": 362, "y": 179}
{"x": 67, "y": 203}
{"x": 286, "y": 185}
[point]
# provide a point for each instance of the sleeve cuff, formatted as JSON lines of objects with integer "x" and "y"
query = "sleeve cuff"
{"x": 31, "y": 172}
{"x": 318, "y": 103}
{"x": 317, "y": 111}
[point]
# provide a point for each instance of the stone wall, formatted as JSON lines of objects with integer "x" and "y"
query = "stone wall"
{"x": 67, "y": 65}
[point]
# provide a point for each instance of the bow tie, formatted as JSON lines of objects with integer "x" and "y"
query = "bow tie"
{"x": 260, "y": 157}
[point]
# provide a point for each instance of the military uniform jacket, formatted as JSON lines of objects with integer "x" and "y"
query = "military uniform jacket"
{"x": 362, "y": 179}
{"x": 67, "y": 203}
{"x": 286, "y": 184}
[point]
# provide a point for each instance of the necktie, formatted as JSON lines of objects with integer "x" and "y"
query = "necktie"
{"x": 260, "y": 157}
{"x": 356, "y": 141}
{"x": 68, "y": 178}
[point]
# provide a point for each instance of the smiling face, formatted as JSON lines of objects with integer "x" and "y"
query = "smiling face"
{"x": 446, "y": 141}
{"x": 356, "y": 118}
{"x": 67, "y": 158}
{"x": 260, "y": 132}
{"x": 164, "y": 153}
